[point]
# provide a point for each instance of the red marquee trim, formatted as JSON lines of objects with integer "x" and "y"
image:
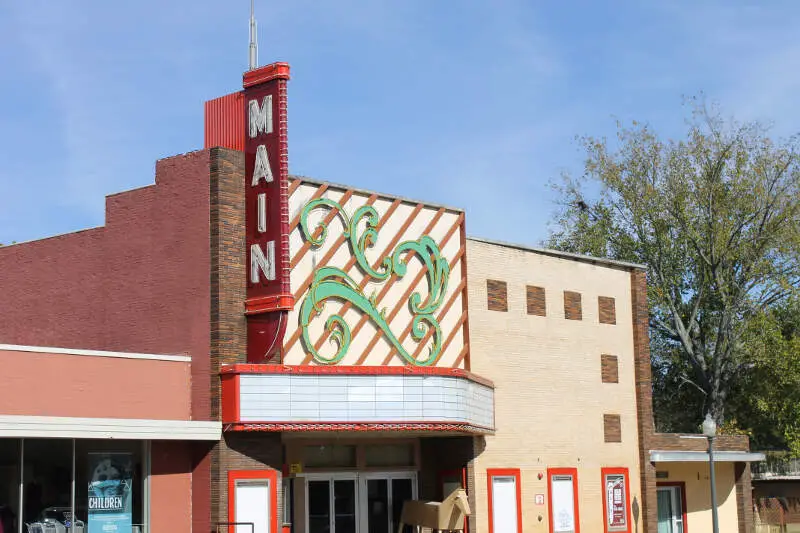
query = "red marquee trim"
{"x": 355, "y": 370}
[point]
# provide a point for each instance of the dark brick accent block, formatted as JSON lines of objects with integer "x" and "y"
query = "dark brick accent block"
{"x": 612, "y": 428}
{"x": 609, "y": 368}
{"x": 744, "y": 497}
{"x": 644, "y": 397}
{"x": 607, "y": 310}
{"x": 572, "y": 306}
{"x": 534, "y": 298}
{"x": 497, "y": 292}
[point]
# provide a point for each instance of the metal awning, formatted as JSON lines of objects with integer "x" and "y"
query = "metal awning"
{"x": 664, "y": 456}
{"x": 108, "y": 428}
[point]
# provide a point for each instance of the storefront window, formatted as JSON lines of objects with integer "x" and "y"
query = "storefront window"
{"x": 70, "y": 486}
{"x": 109, "y": 485}
{"x": 9, "y": 484}
{"x": 47, "y": 481}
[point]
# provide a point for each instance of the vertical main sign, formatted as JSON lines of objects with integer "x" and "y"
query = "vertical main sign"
{"x": 269, "y": 297}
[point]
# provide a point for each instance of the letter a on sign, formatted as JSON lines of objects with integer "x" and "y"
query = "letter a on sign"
{"x": 262, "y": 261}
{"x": 260, "y": 117}
{"x": 262, "y": 170}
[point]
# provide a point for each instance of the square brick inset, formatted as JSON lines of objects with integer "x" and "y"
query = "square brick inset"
{"x": 534, "y": 297}
{"x": 497, "y": 295}
{"x": 612, "y": 428}
{"x": 607, "y": 310}
{"x": 572, "y": 306}
{"x": 609, "y": 368}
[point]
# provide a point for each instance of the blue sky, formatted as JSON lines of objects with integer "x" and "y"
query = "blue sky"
{"x": 472, "y": 104}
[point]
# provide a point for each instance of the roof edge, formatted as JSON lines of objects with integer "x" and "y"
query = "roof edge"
{"x": 370, "y": 192}
{"x": 563, "y": 255}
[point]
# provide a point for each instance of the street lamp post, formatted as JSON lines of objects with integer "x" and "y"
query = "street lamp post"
{"x": 710, "y": 431}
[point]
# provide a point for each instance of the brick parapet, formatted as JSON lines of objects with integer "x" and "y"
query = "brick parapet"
{"x": 691, "y": 443}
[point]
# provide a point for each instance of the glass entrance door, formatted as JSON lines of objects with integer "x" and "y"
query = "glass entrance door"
{"x": 670, "y": 509}
{"x": 332, "y": 504}
{"x": 382, "y": 497}
{"x": 357, "y": 503}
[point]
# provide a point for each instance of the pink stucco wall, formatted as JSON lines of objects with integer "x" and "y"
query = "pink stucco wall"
{"x": 44, "y": 384}
{"x": 171, "y": 486}
{"x": 138, "y": 284}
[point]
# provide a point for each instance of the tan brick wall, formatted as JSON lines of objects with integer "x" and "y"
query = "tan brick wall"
{"x": 549, "y": 397}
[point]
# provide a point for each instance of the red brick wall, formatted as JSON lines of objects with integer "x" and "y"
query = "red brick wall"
{"x": 140, "y": 283}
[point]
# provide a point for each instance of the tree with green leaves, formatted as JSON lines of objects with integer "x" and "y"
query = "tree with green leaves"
{"x": 716, "y": 218}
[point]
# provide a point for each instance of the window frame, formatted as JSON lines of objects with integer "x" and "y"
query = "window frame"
{"x": 616, "y": 471}
{"x": 504, "y": 472}
{"x": 571, "y": 471}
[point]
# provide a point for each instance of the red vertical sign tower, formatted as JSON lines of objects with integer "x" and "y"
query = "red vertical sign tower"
{"x": 269, "y": 297}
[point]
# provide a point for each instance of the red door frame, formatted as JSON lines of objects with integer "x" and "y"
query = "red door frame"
{"x": 269, "y": 475}
{"x": 505, "y": 472}
{"x": 624, "y": 473}
{"x": 563, "y": 472}
{"x": 682, "y": 486}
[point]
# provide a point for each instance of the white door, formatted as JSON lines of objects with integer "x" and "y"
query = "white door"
{"x": 562, "y": 500}
{"x": 504, "y": 504}
{"x": 252, "y": 506}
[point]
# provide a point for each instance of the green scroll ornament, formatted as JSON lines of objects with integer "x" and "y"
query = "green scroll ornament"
{"x": 334, "y": 283}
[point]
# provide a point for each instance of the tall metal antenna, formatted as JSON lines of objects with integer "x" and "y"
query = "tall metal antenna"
{"x": 253, "y": 37}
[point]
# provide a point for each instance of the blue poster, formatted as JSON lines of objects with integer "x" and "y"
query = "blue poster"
{"x": 110, "y": 493}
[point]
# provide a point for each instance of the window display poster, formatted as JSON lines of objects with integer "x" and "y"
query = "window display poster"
{"x": 110, "y": 493}
{"x": 616, "y": 514}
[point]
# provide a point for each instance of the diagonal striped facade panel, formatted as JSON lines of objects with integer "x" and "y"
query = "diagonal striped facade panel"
{"x": 377, "y": 280}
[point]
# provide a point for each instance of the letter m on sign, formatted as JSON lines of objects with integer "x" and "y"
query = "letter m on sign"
{"x": 260, "y": 117}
